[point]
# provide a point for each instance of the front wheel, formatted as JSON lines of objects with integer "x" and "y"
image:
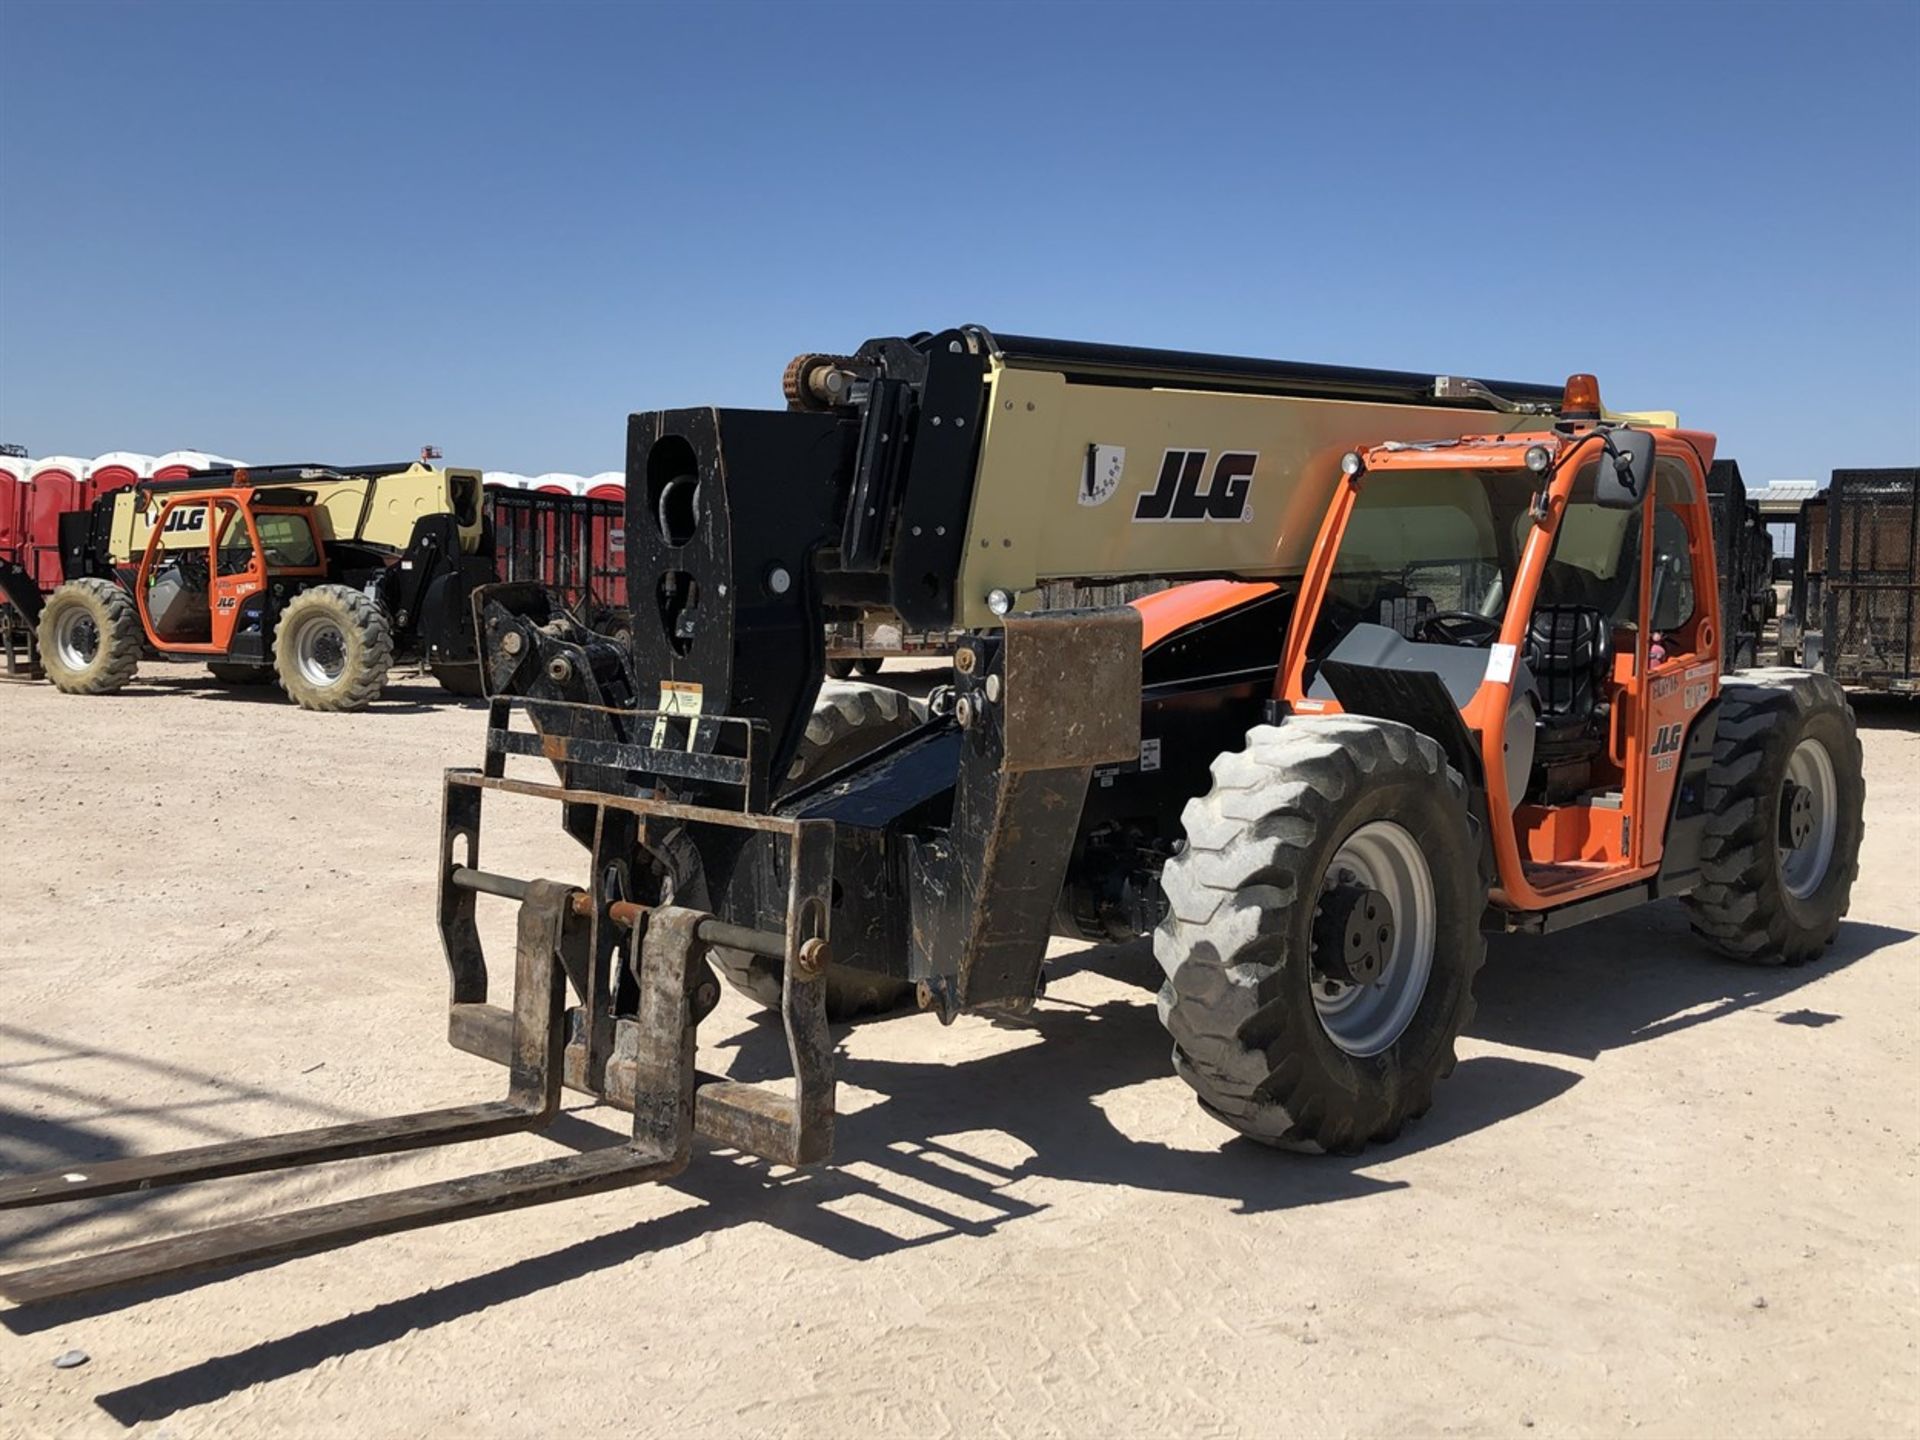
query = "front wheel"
{"x": 849, "y": 719}
{"x": 332, "y": 649}
{"x": 1786, "y": 805}
{"x": 1322, "y": 932}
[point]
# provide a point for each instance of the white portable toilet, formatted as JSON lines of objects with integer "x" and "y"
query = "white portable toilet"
{"x": 506, "y": 479}
{"x": 176, "y": 464}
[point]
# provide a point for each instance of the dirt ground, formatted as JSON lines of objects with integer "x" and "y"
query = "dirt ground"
{"x": 1662, "y": 1193}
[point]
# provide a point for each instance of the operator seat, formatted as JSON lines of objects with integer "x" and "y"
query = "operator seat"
{"x": 1569, "y": 651}
{"x": 178, "y": 601}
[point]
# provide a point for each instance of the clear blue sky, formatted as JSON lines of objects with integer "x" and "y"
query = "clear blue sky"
{"x": 339, "y": 231}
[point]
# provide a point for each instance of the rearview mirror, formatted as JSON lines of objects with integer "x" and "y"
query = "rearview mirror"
{"x": 1626, "y": 470}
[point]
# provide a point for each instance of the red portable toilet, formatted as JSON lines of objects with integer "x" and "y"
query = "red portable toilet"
{"x": 115, "y": 469}
{"x": 609, "y": 542}
{"x": 54, "y": 486}
{"x": 554, "y": 482}
{"x": 13, "y": 507}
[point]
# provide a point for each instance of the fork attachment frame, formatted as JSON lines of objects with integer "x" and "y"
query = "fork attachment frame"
{"x": 638, "y": 970}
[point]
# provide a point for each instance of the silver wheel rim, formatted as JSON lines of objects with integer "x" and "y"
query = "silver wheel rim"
{"x": 1804, "y": 866}
{"x": 76, "y": 639}
{"x": 320, "y": 652}
{"x": 1366, "y": 1019}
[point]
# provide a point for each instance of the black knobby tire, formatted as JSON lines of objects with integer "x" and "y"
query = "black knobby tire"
{"x": 462, "y": 680}
{"x": 90, "y": 637}
{"x": 870, "y": 664}
{"x": 838, "y": 669}
{"x": 849, "y": 719}
{"x": 228, "y": 673}
{"x": 332, "y": 649}
{"x": 1237, "y": 942}
{"x": 1746, "y": 905}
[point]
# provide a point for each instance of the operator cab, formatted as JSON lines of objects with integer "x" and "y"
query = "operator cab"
{"x": 1543, "y": 598}
{"x": 209, "y": 553}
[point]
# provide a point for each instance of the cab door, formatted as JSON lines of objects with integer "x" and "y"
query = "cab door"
{"x": 238, "y": 568}
{"x": 1682, "y": 647}
{"x": 172, "y": 585}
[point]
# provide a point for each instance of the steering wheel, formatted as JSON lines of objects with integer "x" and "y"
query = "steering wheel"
{"x": 1459, "y": 627}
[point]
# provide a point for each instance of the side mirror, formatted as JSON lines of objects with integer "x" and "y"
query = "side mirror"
{"x": 1626, "y": 470}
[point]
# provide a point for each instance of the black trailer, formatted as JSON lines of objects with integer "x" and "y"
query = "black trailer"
{"x": 1865, "y": 591}
{"x": 574, "y": 545}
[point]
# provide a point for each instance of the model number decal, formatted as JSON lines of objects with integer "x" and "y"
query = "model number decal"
{"x": 1177, "y": 495}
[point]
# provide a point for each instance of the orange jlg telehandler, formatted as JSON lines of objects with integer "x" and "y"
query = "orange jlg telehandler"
{"x": 1445, "y": 660}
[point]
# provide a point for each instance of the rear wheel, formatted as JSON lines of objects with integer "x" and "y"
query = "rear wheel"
{"x": 849, "y": 720}
{"x": 90, "y": 637}
{"x": 1785, "y": 806}
{"x": 838, "y": 669}
{"x": 1322, "y": 932}
{"x": 333, "y": 649}
{"x": 870, "y": 664}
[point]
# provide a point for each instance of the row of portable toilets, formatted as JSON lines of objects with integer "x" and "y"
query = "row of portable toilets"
{"x": 607, "y": 485}
{"x": 35, "y": 493}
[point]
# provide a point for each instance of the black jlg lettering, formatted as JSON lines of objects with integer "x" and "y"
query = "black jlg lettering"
{"x": 185, "y": 520}
{"x": 1668, "y": 740}
{"x": 1176, "y": 494}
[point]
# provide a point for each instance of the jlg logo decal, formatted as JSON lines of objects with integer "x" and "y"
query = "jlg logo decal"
{"x": 1177, "y": 495}
{"x": 186, "y": 520}
{"x": 1665, "y": 744}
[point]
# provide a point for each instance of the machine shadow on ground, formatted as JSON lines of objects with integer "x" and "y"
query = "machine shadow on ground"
{"x": 403, "y": 695}
{"x": 890, "y": 1163}
{"x": 30, "y": 1142}
{"x": 1886, "y": 712}
{"x": 906, "y": 1174}
{"x": 1638, "y": 977}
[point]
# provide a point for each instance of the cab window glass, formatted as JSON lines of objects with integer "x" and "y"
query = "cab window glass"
{"x": 232, "y": 543}
{"x": 1595, "y": 563}
{"x": 1440, "y": 540}
{"x": 287, "y": 541}
{"x": 1673, "y": 483}
{"x": 1673, "y": 593}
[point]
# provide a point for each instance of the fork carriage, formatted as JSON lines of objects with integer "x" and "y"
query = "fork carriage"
{"x": 637, "y": 972}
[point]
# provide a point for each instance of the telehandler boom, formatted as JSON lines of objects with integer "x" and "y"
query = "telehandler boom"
{"x": 1445, "y": 660}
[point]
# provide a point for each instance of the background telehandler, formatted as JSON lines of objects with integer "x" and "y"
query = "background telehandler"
{"x": 313, "y": 576}
{"x": 1447, "y": 662}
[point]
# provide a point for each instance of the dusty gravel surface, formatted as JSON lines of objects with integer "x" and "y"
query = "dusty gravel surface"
{"x": 1662, "y": 1194}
